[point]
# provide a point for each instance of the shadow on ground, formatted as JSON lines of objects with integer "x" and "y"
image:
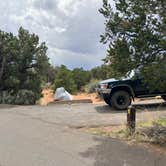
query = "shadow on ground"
{"x": 140, "y": 107}
{"x": 113, "y": 152}
{"x": 6, "y": 106}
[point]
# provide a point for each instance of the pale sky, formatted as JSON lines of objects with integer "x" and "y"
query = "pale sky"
{"x": 70, "y": 28}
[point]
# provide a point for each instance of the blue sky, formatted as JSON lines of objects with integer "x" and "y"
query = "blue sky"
{"x": 70, "y": 28}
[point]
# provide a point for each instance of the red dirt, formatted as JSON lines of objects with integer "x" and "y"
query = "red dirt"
{"x": 93, "y": 96}
{"x": 48, "y": 97}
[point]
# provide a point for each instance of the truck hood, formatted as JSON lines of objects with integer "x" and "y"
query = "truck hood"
{"x": 108, "y": 80}
{"x": 113, "y": 80}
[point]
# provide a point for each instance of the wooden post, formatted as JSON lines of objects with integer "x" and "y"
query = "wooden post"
{"x": 131, "y": 116}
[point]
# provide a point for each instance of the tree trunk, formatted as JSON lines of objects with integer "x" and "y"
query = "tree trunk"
{"x": 2, "y": 67}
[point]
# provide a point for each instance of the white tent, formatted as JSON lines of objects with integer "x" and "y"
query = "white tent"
{"x": 62, "y": 95}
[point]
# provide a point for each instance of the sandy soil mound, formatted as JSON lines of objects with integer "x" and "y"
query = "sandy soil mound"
{"x": 48, "y": 97}
{"x": 93, "y": 96}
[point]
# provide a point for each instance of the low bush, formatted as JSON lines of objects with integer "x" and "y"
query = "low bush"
{"x": 22, "y": 97}
{"x": 25, "y": 97}
{"x": 91, "y": 86}
{"x": 7, "y": 97}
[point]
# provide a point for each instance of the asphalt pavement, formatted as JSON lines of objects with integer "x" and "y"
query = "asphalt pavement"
{"x": 89, "y": 115}
{"x": 42, "y": 136}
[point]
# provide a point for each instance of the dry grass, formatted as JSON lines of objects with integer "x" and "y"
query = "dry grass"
{"x": 153, "y": 132}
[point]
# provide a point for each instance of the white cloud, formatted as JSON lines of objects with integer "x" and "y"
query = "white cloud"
{"x": 73, "y": 59}
{"x": 71, "y": 28}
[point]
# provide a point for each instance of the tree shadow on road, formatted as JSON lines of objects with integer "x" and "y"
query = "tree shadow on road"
{"x": 106, "y": 109}
{"x": 140, "y": 107}
{"x": 113, "y": 152}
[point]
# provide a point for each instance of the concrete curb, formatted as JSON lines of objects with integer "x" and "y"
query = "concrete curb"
{"x": 72, "y": 101}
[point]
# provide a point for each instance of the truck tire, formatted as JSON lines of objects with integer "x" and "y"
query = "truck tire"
{"x": 164, "y": 97}
{"x": 120, "y": 100}
{"x": 107, "y": 100}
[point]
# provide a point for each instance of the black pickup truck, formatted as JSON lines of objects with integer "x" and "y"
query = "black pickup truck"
{"x": 120, "y": 93}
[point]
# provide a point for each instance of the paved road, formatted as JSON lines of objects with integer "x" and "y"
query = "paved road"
{"x": 41, "y": 136}
{"x": 81, "y": 115}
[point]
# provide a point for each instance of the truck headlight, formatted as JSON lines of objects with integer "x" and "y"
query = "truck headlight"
{"x": 104, "y": 86}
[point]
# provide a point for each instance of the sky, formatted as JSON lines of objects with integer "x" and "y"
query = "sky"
{"x": 70, "y": 28}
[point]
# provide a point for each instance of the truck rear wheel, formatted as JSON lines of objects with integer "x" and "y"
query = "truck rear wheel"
{"x": 120, "y": 100}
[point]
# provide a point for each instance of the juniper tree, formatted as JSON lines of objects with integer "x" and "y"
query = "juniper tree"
{"x": 135, "y": 32}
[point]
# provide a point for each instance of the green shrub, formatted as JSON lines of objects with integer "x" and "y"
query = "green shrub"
{"x": 22, "y": 97}
{"x": 25, "y": 97}
{"x": 6, "y": 97}
{"x": 64, "y": 78}
{"x": 91, "y": 86}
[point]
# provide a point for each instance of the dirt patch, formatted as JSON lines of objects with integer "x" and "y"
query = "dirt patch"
{"x": 93, "y": 96}
{"x": 48, "y": 97}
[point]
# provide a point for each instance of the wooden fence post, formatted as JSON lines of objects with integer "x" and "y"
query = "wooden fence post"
{"x": 131, "y": 118}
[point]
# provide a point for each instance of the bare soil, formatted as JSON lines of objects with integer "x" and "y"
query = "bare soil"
{"x": 48, "y": 97}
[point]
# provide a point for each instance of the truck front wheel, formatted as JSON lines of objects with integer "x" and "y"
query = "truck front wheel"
{"x": 164, "y": 97}
{"x": 107, "y": 100}
{"x": 120, "y": 100}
